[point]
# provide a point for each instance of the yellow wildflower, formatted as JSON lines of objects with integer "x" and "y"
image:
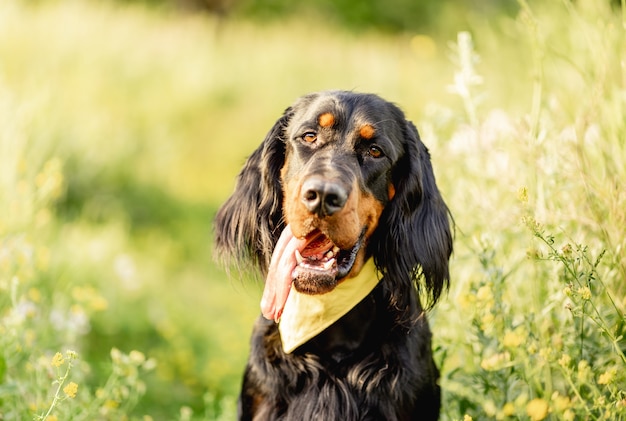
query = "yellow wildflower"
{"x": 423, "y": 46}
{"x": 137, "y": 357}
{"x": 484, "y": 294}
{"x": 29, "y": 337}
{"x": 546, "y": 353}
{"x": 42, "y": 258}
{"x": 508, "y": 410}
{"x": 584, "y": 292}
{"x": 91, "y": 297}
{"x": 34, "y": 295}
{"x": 486, "y": 322}
{"x": 521, "y": 400}
{"x": 57, "y": 360}
{"x": 531, "y": 223}
{"x": 537, "y": 409}
{"x": 116, "y": 355}
{"x": 583, "y": 371}
{"x": 560, "y": 403}
{"x": 465, "y": 301}
{"x": 495, "y": 362}
{"x": 607, "y": 377}
{"x": 52, "y": 418}
{"x": 50, "y": 180}
{"x": 490, "y": 408}
{"x": 186, "y": 413}
{"x": 71, "y": 389}
{"x": 565, "y": 360}
{"x": 522, "y": 194}
{"x": 150, "y": 364}
{"x": 467, "y": 418}
{"x": 512, "y": 339}
{"x": 42, "y": 217}
{"x": 99, "y": 303}
{"x": 567, "y": 291}
{"x": 557, "y": 341}
{"x": 569, "y": 415}
{"x": 567, "y": 249}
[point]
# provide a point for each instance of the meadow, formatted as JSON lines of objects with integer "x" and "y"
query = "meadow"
{"x": 122, "y": 129}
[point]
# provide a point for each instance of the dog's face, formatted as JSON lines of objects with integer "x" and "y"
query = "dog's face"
{"x": 336, "y": 181}
{"x": 347, "y": 177}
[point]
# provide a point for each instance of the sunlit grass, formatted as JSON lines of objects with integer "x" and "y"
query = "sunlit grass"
{"x": 122, "y": 129}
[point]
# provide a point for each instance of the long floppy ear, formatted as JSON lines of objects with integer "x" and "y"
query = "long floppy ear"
{"x": 248, "y": 225}
{"x": 414, "y": 239}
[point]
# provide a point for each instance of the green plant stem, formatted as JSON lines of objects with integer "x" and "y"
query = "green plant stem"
{"x": 538, "y": 75}
{"x": 97, "y": 402}
{"x": 611, "y": 337}
{"x": 599, "y": 322}
{"x": 57, "y": 398}
{"x": 568, "y": 378}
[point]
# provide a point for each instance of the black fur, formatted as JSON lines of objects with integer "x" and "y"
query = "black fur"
{"x": 375, "y": 363}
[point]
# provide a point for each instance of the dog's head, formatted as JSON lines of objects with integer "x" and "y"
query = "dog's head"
{"x": 349, "y": 175}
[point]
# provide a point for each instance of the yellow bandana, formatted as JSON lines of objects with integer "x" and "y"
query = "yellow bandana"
{"x": 306, "y": 316}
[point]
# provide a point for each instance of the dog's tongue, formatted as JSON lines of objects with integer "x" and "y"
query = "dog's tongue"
{"x": 278, "y": 281}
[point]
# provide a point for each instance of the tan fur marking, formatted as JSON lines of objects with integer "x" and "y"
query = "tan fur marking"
{"x": 326, "y": 120}
{"x": 369, "y": 212}
{"x": 367, "y": 131}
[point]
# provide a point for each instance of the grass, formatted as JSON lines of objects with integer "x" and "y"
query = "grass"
{"x": 122, "y": 130}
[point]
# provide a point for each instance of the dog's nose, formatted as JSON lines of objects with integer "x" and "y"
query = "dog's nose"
{"x": 323, "y": 197}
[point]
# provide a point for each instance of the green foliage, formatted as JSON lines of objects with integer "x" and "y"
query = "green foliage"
{"x": 390, "y": 15}
{"x": 393, "y": 16}
{"x": 123, "y": 128}
{"x": 545, "y": 338}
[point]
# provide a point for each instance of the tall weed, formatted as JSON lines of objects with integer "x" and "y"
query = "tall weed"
{"x": 545, "y": 301}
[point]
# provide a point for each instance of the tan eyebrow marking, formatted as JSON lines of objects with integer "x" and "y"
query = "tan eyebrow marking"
{"x": 326, "y": 120}
{"x": 367, "y": 131}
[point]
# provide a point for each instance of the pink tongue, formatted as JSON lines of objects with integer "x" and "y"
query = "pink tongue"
{"x": 317, "y": 246}
{"x": 278, "y": 281}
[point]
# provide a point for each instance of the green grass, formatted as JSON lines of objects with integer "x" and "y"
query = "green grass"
{"x": 122, "y": 130}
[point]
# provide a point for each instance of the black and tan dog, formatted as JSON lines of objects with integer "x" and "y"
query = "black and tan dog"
{"x": 341, "y": 183}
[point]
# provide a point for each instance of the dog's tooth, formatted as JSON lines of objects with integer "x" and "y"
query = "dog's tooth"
{"x": 329, "y": 264}
{"x": 330, "y": 254}
{"x": 336, "y": 250}
{"x": 299, "y": 258}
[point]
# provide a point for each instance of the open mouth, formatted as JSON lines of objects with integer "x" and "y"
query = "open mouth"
{"x": 321, "y": 264}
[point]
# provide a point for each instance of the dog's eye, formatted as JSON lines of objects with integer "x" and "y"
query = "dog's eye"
{"x": 375, "y": 152}
{"x": 309, "y": 137}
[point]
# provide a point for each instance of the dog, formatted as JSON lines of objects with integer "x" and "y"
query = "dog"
{"x": 338, "y": 209}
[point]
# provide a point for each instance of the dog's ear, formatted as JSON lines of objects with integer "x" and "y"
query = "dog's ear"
{"x": 414, "y": 238}
{"x": 248, "y": 225}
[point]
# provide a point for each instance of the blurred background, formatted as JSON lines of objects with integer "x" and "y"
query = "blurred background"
{"x": 123, "y": 125}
